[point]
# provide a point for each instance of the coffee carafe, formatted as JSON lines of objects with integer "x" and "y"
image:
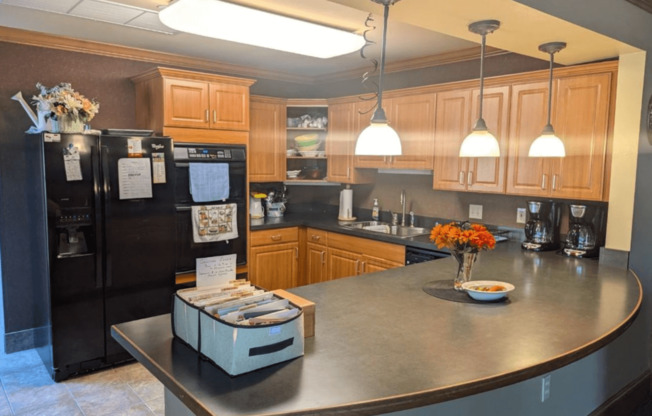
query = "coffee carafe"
{"x": 542, "y": 226}
{"x": 585, "y": 231}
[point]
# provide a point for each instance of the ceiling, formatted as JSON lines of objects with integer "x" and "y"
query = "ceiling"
{"x": 419, "y": 31}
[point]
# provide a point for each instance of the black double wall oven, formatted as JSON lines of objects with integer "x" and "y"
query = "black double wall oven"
{"x": 188, "y": 251}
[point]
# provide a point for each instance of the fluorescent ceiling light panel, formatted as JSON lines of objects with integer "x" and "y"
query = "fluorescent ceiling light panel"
{"x": 235, "y": 23}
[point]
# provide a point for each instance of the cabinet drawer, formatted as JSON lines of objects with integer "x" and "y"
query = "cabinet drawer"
{"x": 275, "y": 236}
{"x": 316, "y": 236}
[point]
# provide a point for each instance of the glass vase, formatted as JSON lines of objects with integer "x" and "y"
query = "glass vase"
{"x": 465, "y": 261}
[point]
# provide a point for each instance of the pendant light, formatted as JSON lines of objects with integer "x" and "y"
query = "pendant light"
{"x": 481, "y": 143}
{"x": 548, "y": 144}
{"x": 379, "y": 139}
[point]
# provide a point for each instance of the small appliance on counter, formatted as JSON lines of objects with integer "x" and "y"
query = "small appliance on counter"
{"x": 542, "y": 226}
{"x": 275, "y": 203}
{"x": 586, "y": 231}
{"x": 346, "y": 204}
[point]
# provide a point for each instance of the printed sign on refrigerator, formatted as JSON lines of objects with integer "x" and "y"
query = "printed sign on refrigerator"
{"x": 158, "y": 167}
{"x": 72, "y": 163}
{"x": 134, "y": 178}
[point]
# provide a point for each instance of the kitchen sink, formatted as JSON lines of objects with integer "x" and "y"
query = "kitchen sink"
{"x": 387, "y": 228}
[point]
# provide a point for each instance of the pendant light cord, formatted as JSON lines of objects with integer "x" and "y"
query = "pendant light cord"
{"x": 379, "y": 114}
{"x": 484, "y": 40}
{"x": 552, "y": 60}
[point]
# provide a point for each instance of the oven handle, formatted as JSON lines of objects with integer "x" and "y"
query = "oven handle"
{"x": 181, "y": 164}
{"x": 181, "y": 208}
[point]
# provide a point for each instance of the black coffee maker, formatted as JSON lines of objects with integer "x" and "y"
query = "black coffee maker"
{"x": 542, "y": 226}
{"x": 586, "y": 230}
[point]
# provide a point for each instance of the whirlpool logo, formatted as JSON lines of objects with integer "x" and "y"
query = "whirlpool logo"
{"x": 158, "y": 146}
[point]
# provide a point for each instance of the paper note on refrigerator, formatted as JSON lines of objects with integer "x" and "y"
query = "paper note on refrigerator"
{"x": 72, "y": 163}
{"x": 134, "y": 178}
{"x": 215, "y": 270}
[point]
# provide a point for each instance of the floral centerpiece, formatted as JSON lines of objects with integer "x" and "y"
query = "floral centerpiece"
{"x": 64, "y": 107}
{"x": 464, "y": 240}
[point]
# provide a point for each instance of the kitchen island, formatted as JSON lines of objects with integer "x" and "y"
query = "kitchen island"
{"x": 384, "y": 345}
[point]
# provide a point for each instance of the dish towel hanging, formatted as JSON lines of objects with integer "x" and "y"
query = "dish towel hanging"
{"x": 212, "y": 223}
{"x": 209, "y": 181}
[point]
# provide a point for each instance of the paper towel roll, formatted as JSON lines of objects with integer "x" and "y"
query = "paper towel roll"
{"x": 346, "y": 204}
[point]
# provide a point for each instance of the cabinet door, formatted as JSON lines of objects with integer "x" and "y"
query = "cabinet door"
{"x": 452, "y": 126}
{"x": 581, "y": 121}
{"x": 316, "y": 263}
{"x": 413, "y": 118}
{"x": 229, "y": 107}
{"x": 341, "y": 142}
{"x": 267, "y": 142}
{"x": 372, "y": 264}
{"x": 186, "y": 103}
{"x": 528, "y": 115}
{"x": 274, "y": 266}
{"x": 363, "y": 119}
{"x": 342, "y": 263}
{"x": 487, "y": 174}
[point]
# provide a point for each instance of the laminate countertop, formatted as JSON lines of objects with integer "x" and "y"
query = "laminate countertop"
{"x": 382, "y": 344}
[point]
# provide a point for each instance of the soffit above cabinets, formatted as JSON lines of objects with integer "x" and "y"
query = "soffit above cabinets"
{"x": 99, "y": 10}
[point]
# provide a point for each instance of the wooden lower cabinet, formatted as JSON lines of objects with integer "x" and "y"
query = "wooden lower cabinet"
{"x": 274, "y": 258}
{"x": 315, "y": 256}
{"x": 352, "y": 256}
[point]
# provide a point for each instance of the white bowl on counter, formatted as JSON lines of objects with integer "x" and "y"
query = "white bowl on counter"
{"x": 487, "y": 290}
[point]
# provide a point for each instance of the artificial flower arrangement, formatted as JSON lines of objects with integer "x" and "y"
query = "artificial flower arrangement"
{"x": 465, "y": 237}
{"x": 61, "y": 101}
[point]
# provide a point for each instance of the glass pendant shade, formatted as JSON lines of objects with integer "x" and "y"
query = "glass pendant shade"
{"x": 547, "y": 145}
{"x": 378, "y": 139}
{"x": 480, "y": 143}
{"x": 235, "y": 23}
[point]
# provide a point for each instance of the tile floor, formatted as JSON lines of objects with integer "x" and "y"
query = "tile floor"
{"x": 27, "y": 389}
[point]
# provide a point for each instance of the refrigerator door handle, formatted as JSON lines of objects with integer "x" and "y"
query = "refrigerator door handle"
{"x": 99, "y": 244}
{"x": 107, "y": 209}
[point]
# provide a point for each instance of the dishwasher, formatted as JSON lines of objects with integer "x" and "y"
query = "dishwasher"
{"x": 414, "y": 255}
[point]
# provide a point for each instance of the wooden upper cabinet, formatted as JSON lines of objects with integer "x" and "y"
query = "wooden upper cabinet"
{"x": 581, "y": 113}
{"x": 457, "y": 112}
{"x": 340, "y": 145}
{"x": 528, "y": 115}
{"x": 186, "y": 103}
{"x": 267, "y": 140}
{"x": 582, "y": 121}
{"x": 229, "y": 106}
{"x": 413, "y": 118}
{"x": 193, "y": 106}
{"x": 453, "y": 123}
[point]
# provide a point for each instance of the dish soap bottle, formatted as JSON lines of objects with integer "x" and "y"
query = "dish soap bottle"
{"x": 375, "y": 210}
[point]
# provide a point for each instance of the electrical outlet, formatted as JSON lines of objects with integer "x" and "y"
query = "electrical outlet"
{"x": 545, "y": 388}
{"x": 475, "y": 211}
{"x": 520, "y": 215}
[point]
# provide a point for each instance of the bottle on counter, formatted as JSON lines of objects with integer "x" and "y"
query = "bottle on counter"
{"x": 375, "y": 210}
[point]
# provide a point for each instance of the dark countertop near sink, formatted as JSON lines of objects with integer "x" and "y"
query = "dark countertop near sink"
{"x": 382, "y": 344}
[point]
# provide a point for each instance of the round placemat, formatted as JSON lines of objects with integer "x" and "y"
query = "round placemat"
{"x": 443, "y": 289}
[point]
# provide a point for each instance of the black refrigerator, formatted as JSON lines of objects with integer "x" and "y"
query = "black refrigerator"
{"x": 110, "y": 228}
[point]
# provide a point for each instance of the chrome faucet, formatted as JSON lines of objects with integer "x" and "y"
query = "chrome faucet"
{"x": 403, "y": 204}
{"x": 411, "y": 218}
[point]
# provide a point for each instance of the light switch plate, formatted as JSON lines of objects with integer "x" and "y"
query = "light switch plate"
{"x": 520, "y": 215}
{"x": 475, "y": 211}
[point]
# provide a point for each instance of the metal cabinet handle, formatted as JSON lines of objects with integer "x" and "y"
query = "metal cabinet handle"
{"x": 276, "y": 237}
{"x": 323, "y": 257}
{"x": 544, "y": 177}
{"x": 214, "y": 116}
{"x": 315, "y": 237}
{"x": 461, "y": 177}
{"x": 362, "y": 269}
{"x": 206, "y": 115}
{"x": 296, "y": 252}
{"x": 348, "y": 172}
{"x": 554, "y": 182}
{"x": 357, "y": 264}
{"x": 469, "y": 179}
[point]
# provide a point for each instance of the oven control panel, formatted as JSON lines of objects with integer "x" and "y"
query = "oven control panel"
{"x": 209, "y": 153}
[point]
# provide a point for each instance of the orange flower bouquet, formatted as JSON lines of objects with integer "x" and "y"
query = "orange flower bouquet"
{"x": 464, "y": 240}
